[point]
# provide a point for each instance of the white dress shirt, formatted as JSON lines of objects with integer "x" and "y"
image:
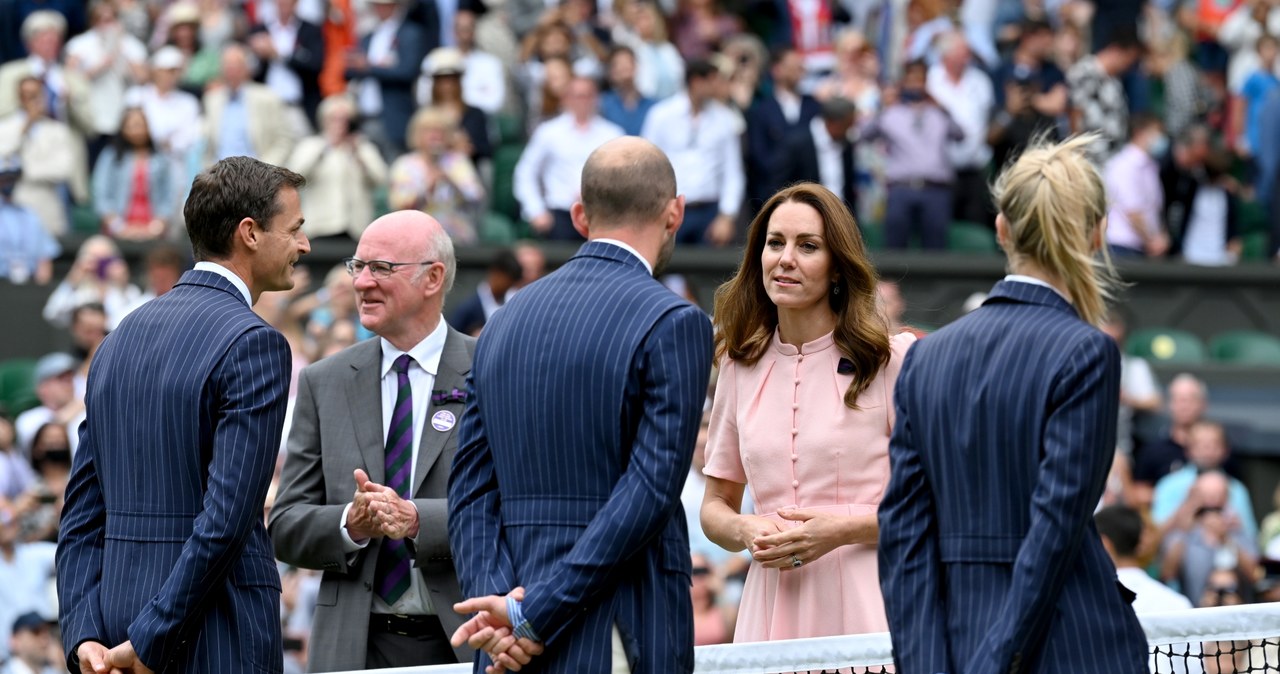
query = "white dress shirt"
{"x": 229, "y": 275}
{"x": 790, "y": 104}
{"x": 281, "y": 79}
{"x": 1020, "y": 278}
{"x": 484, "y": 82}
{"x": 1155, "y": 597}
{"x": 549, "y": 173}
{"x": 969, "y": 102}
{"x": 423, "y": 366}
{"x": 830, "y": 156}
{"x": 629, "y": 249}
{"x": 705, "y": 150}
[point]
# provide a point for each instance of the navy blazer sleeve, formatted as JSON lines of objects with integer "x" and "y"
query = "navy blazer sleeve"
{"x": 308, "y": 54}
{"x": 475, "y": 526}
{"x": 910, "y": 565}
{"x": 251, "y": 384}
{"x": 674, "y": 362}
{"x": 411, "y": 48}
{"x": 79, "y": 557}
{"x": 1079, "y": 446}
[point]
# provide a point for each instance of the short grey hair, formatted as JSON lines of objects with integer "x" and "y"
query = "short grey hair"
{"x": 440, "y": 249}
{"x": 837, "y": 108}
{"x": 39, "y": 22}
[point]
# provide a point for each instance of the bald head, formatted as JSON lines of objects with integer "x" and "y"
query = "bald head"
{"x": 235, "y": 65}
{"x": 627, "y": 181}
{"x": 420, "y": 237}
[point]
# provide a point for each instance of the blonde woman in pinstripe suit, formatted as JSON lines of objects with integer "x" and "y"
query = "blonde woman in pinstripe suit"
{"x": 1006, "y": 422}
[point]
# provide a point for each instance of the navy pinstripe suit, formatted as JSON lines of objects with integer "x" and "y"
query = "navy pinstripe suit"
{"x": 162, "y": 540}
{"x": 989, "y": 560}
{"x": 588, "y": 391}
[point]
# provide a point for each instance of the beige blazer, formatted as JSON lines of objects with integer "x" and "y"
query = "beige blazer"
{"x": 269, "y": 131}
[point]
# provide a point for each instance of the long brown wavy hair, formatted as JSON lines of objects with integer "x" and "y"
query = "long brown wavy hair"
{"x": 746, "y": 318}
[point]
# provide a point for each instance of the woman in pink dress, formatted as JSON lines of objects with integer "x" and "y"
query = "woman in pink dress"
{"x": 802, "y": 415}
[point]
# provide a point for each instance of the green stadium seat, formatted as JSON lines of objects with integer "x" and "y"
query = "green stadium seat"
{"x": 1166, "y": 345}
{"x": 872, "y": 235}
{"x": 504, "y": 169}
{"x": 84, "y": 220}
{"x": 381, "y": 205}
{"x": 1255, "y": 246}
{"x": 1253, "y": 218}
{"x": 17, "y": 385}
{"x": 1245, "y": 347}
{"x": 497, "y": 228}
{"x": 510, "y": 128}
{"x": 971, "y": 237}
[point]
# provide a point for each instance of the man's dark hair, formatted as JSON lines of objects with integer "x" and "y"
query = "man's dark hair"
{"x": 506, "y": 263}
{"x": 87, "y": 307}
{"x": 777, "y": 54}
{"x": 619, "y": 51}
{"x": 837, "y": 109}
{"x": 1033, "y": 27}
{"x": 1141, "y": 121}
{"x": 1122, "y": 526}
{"x": 626, "y": 187}
{"x": 918, "y": 64}
{"x": 226, "y": 193}
{"x": 699, "y": 69}
{"x": 1124, "y": 37}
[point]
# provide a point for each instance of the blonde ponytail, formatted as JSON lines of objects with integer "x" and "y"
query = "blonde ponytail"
{"x": 1054, "y": 201}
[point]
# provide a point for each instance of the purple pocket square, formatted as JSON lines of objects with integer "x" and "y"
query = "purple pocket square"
{"x": 845, "y": 366}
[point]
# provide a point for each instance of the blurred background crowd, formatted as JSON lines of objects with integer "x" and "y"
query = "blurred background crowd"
{"x": 482, "y": 114}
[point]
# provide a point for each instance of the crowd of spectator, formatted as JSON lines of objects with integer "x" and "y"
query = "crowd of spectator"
{"x": 902, "y": 107}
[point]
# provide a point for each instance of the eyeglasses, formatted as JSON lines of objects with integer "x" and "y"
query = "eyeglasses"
{"x": 379, "y": 269}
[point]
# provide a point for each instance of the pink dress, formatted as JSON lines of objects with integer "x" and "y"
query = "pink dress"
{"x": 781, "y": 427}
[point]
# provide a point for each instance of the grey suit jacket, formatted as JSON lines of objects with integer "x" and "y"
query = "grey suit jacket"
{"x": 337, "y": 427}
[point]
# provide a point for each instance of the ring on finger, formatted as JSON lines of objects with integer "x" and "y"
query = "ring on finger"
{"x": 796, "y": 562}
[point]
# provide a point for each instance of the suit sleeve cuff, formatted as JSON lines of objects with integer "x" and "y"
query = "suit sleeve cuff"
{"x": 519, "y": 626}
{"x": 349, "y": 545}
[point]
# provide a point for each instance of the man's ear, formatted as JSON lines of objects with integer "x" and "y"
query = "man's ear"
{"x": 578, "y": 213}
{"x": 248, "y": 233}
{"x": 675, "y": 215}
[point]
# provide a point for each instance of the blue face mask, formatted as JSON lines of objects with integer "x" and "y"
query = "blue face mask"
{"x": 1159, "y": 147}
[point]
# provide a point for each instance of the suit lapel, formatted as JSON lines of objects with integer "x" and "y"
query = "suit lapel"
{"x": 451, "y": 374}
{"x": 364, "y": 399}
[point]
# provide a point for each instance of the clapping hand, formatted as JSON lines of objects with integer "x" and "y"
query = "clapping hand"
{"x": 490, "y": 631}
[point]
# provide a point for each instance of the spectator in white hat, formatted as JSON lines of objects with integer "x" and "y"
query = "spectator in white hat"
{"x": 445, "y": 71}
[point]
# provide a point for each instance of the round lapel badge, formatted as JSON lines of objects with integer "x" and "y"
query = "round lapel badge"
{"x": 443, "y": 420}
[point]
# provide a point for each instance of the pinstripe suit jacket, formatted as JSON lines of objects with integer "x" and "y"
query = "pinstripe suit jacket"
{"x": 588, "y": 391}
{"x": 162, "y": 540}
{"x": 989, "y": 560}
{"x": 337, "y": 427}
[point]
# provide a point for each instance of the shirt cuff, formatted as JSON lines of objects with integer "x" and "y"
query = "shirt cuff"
{"x": 519, "y": 625}
{"x": 348, "y": 544}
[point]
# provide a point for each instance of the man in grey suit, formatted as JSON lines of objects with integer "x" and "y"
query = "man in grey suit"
{"x": 363, "y": 490}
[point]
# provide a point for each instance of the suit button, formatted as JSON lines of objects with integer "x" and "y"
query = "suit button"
{"x": 795, "y": 432}
{"x": 796, "y": 406}
{"x": 795, "y": 457}
{"x": 795, "y": 483}
{"x": 797, "y": 381}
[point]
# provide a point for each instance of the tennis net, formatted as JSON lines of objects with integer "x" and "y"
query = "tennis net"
{"x": 1222, "y": 640}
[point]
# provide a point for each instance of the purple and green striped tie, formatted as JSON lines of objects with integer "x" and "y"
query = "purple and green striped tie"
{"x": 392, "y": 573}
